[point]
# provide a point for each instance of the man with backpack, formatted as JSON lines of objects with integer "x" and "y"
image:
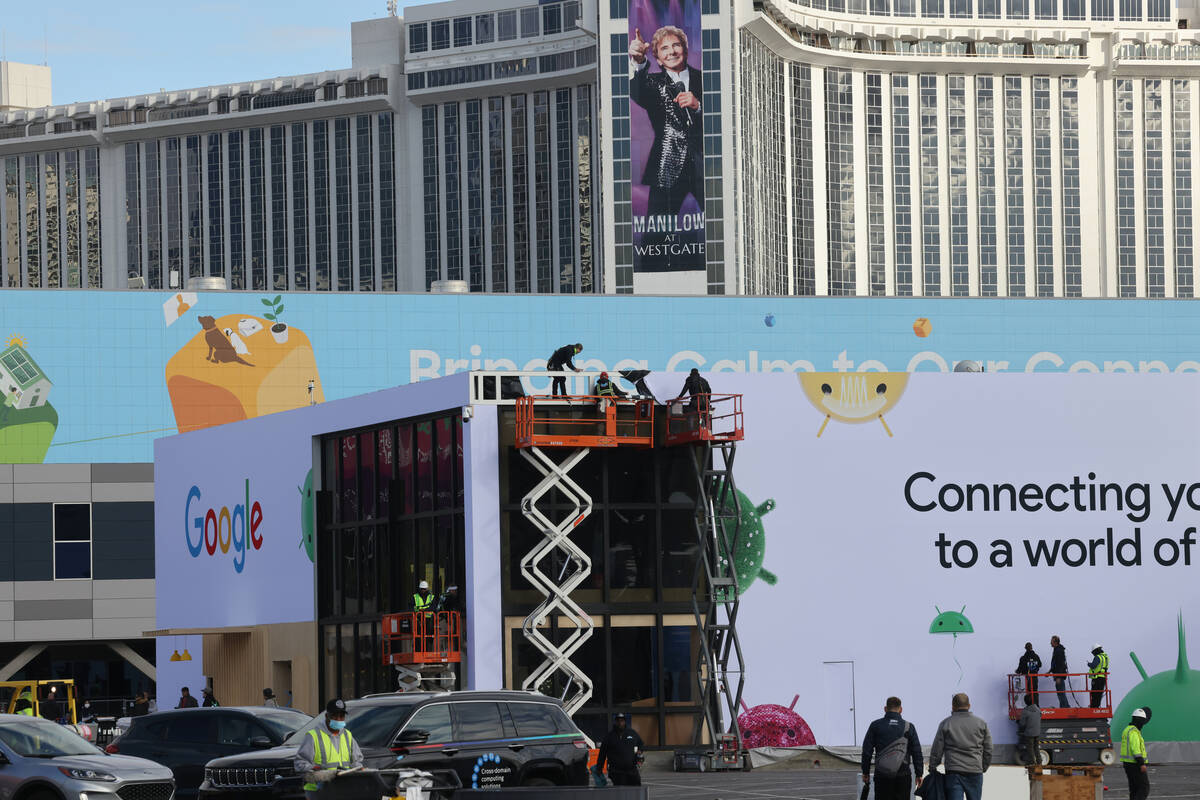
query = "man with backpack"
{"x": 896, "y": 743}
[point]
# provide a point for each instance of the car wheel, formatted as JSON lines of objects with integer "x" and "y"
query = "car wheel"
{"x": 538, "y": 782}
{"x": 42, "y": 794}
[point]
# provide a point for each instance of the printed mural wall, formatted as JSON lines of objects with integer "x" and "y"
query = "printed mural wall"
{"x": 97, "y": 376}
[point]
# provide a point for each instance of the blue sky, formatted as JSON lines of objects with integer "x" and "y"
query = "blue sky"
{"x": 102, "y": 50}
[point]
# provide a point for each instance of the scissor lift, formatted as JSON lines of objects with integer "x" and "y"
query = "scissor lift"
{"x": 711, "y": 426}
{"x": 573, "y": 425}
{"x": 1076, "y": 733}
{"x": 422, "y": 645}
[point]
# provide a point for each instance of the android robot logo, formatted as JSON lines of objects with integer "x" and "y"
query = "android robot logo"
{"x": 751, "y": 544}
{"x": 771, "y": 725}
{"x": 954, "y": 623}
{"x": 853, "y": 397}
{"x": 1174, "y": 696}
{"x": 307, "y": 520}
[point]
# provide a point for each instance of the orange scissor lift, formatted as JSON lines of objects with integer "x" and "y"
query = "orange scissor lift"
{"x": 712, "y": 426}
{"x": 422, "y": 645}
{"x": 1077, "y": 731}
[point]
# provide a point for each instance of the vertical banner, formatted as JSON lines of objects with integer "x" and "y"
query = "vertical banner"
{"x": 666, "y": 109}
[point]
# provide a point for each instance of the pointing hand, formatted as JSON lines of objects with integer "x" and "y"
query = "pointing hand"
{"x": 638, "y": 47}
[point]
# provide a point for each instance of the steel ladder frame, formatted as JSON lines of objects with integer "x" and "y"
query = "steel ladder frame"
{"x": 557, "y": 591}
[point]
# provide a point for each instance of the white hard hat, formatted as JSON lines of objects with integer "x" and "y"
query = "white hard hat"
{"x": 1097, "y": 646}
{"x": 1139, "y": 713}
{"x": 425, "y": 585}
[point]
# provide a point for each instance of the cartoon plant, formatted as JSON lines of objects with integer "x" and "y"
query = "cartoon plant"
{"x": 279, "y": 330}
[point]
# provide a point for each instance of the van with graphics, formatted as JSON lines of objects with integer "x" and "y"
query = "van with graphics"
{"x": 488, "y": 739}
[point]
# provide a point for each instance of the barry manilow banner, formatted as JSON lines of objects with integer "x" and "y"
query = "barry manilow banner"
{"x": 666, "y": 95}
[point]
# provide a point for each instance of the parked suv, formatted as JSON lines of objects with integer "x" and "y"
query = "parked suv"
{"x": 488, "y": 738}
{"x": 186, "y": 739}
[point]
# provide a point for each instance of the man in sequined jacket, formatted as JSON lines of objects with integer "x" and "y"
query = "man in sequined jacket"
{"x": 672, "y": 99}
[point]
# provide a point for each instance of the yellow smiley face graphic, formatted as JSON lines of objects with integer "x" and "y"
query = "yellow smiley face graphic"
{"x": 853, "y": 397}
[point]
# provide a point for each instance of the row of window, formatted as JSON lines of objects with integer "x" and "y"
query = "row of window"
{"x": 50, "y": 220}
{"x": 528, "y": 209}
{"x": 500, "y": 70}
{"x": 282, "y": 207}
{"x": 546, "y": 19}
{"x": 1072, "y": 10}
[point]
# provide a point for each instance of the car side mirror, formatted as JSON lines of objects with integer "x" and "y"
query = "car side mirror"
{"x": 260, "y": 742}
{"x": 412, "y": 737}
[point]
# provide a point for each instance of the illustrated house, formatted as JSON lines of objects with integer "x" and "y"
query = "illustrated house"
{"x": 21, "y": 379}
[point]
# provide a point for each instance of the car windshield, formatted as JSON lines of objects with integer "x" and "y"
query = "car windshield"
{"x": 35, "y": 738}
{"x": 282, "y": 723}
{"x": 372, "y": 725}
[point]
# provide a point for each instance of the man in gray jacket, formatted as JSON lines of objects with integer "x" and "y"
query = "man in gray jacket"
{"x": 964, "y": 744}
{"x": 1029, "y": 730}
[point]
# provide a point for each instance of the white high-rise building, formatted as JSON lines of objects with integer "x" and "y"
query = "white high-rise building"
{"x": 851, "y": 147}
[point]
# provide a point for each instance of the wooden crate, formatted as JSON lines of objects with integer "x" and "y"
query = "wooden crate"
{"x": 1066, "y": 782}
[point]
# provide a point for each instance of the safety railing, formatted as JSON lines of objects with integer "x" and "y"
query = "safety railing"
{"x": 706, "y": 418}
{"x": 505, "y": 387}
{"x": 1074, "y": 700}
{"x": 422, "y": 637}
{"x": 584, "y": 421}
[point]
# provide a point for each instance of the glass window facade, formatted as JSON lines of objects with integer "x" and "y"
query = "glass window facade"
{"x": 299, "y": 180}
{"x": 956, "y": 130}
{"x": 902, "y": 185}
{"x": 564, "y": 189}
{"x": 804, "y": 255}
{"x": 474, "y": 176}
{"x": 391, "y": 516}
{"x": 522, "y": 252}
{"x": 216, "y": 206}
{"x": 432, "y": 210}
{"x": 543, "y": 192}
{"x": 1152, "y": 176}
{"x": 839, "y": 172}
{"x": 1072, "y": 237}
{"x": 451, "y": 159}
{"x": 343, "y": 204}
{"x": 258, "y": 212}
{"x": 195, "y": 219}
{"x": 1182, "y": 138}
{"x": 985, "y": 179}
{"x": 1126, "y": 201}
{"x": 931, "y": 227}
{"x": 388, "y": 258}
{"x": 497, "y": 194}
{"x": 365, "y": 188}
{"x": 876, "y": 228}
{"x": 1043, "y": 189}
{"x": 279, "y": 254}
{"x": 1015, "y": 184}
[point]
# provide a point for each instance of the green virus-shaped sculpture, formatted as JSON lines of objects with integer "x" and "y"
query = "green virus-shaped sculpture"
{"x": 751, "y": 545}
{"x": 1173, "y": 695}
{"x": 952, "y": 622}
{"x": 307, "y": 518}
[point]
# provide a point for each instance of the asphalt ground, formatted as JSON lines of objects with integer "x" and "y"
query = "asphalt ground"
{"x": 1172, "y": 782}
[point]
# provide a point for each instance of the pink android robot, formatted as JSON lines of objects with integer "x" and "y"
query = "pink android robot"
{"x": 770, "y": 725}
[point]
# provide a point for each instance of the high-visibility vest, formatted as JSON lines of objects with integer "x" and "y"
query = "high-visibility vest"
{"x": 422, "y": 603}
{"x": 1132, "y": 745}
{"x": 1101, "y": 668}
{"x": 606, "y": 389}
{"x": 26, "y": 696}
{"x": 327, "y": 753}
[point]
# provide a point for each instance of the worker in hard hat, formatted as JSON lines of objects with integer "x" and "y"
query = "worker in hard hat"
{"x": 423, "y": 598}
{"x": 1098, "y": 672}
{"x": 1133, "y": 755}
{"x": 606, "y": 391}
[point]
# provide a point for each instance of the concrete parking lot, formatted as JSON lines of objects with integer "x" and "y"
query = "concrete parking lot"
{"x": 1167, "y": 783}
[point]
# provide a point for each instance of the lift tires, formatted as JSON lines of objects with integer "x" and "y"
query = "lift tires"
{"x": 1044, "y": 757}
{"x": 1108, "y": 757}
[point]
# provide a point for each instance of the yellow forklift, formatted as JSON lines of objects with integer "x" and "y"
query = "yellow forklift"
{"x": 52, "y": 699}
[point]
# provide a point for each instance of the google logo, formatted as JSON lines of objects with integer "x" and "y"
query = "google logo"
{"x": 224, "y": 528}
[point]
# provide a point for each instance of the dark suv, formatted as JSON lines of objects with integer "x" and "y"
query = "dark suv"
{"x": 489, "y": 739}
{"x": 186, "y": 739}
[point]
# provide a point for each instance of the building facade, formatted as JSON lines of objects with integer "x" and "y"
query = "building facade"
{"x": 891, "y": 147}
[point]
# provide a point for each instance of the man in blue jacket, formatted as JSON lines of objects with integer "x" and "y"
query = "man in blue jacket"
{"x": 882, "y": 733}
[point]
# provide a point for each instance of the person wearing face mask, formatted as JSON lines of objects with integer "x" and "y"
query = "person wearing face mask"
{"x": 327, "y": 748}
{"x": 1133, "y": 755}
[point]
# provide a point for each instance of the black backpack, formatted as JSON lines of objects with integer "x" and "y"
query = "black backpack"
{"x": 892, "y": 758}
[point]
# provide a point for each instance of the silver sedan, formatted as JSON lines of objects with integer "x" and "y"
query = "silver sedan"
{"x": 41, "y": 760}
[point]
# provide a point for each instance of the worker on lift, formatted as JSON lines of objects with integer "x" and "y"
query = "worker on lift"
{"x": 606, "y": 391}
{"x": 1029, "y": 665}
{"x": 1098, "y": 672}
{"x": 562, "y": 357}
{"x": 24, "y": 704}
{"x": 423, "y": 598}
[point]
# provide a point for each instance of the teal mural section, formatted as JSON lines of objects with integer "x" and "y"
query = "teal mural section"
{"x": 111, "y": 371}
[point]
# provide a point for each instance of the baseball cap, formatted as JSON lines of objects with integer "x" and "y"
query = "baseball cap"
{"x": 1139, "y": 713}
{"x": 423, "y": 585}
{"x": 336, "y": 706}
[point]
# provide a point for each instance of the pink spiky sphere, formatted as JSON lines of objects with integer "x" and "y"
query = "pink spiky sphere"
{"x": 770, "y": 725}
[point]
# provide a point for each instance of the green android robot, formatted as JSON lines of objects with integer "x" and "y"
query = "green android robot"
{"x": 751, "y": 545}
{"x": 1173, "y": 695}
{"x": 307, "y": 518}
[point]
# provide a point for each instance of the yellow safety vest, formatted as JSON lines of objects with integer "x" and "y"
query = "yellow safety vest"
{"x": 422, "y": 603}
{"x": 28, "y": 698}
{"x": 1101, "y": 669}
{"x": 606, "y": 389}
{"x": 1132, "y": 745}
{"x": 327, "y": 754}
